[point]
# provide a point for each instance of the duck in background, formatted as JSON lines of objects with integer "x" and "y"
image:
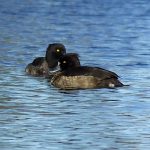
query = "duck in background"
{"x": 42, "y": 65}
{"x": 74, "y": 76}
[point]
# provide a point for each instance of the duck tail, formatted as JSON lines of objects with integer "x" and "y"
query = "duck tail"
{"x": 111, "y": 83}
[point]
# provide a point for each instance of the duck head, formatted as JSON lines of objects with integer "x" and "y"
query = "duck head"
{"x": 53, "y": 53}
{"x": 69, "y": 60}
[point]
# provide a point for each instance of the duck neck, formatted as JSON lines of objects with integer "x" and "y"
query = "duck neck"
{"x": 52, "y": 62}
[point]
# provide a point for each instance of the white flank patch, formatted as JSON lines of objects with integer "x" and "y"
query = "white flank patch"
{"x": 111, "y": 85}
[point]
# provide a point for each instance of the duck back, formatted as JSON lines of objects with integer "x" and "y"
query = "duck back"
{"x": 90, "y": 71}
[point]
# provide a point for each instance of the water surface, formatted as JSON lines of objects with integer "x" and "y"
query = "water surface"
{"x": 113, "y": 35}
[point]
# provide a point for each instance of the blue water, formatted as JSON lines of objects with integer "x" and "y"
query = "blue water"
{"x": 112, "y": 34}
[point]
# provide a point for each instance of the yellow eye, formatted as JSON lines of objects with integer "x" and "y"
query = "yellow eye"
{"x": 58, "y": 50}
{"x": 64, "y": 62}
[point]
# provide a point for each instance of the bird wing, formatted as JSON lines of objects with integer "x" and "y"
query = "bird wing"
{"x": 91, "y": 71}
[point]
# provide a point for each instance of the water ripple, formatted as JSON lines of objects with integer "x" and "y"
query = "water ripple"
{"x": 113, "y": 35}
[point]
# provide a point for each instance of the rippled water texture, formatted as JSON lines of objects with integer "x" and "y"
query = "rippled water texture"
{"x": 111, "y": 34}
